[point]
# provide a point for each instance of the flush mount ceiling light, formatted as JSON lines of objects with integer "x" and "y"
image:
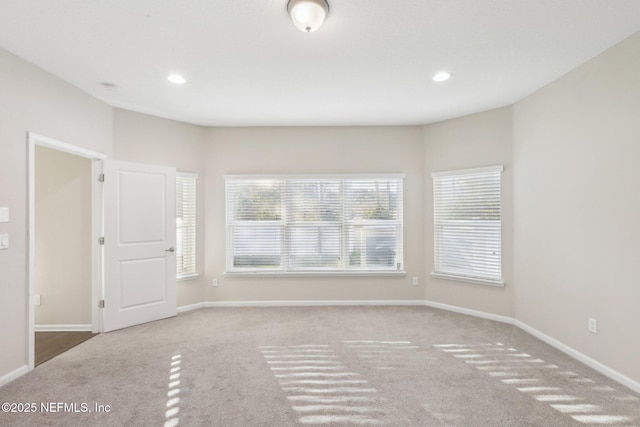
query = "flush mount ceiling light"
{"x": 442, "y": 76}
{"x": 308, "y": 15}
{"x": 177, "y": 79}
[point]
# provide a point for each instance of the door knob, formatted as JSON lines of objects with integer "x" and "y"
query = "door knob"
{"x": 171, "y": 249}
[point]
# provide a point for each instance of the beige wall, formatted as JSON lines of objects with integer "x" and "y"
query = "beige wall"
{"x": 32, "y": 100}
{"x": 315, "y": 151}
{"x": 146, "y": 139}
{"x": 62, "y": 238}
{"x": 577, "y": 205}
{"x": 483, "y": 139}
{"x": 571, "y": 235}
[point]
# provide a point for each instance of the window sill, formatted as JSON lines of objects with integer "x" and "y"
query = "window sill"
{"x": 486, "y": 282}
{"x": 394, "y": 273}
{"x": 187, "y": 277}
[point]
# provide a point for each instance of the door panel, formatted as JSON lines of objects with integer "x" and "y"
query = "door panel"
{"x": 142, "y": 207}
{"x": 140, "y": 265}
{"x": 149, "y": 277}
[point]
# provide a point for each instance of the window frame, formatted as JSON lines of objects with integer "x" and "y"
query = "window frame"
{"x": 438, "y": 237}
{"x": 192, "y": 274}
{"x": 287, "y": 225}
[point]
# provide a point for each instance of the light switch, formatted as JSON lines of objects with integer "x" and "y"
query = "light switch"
{"x": 4, "y": 214}
{"x": 4, "y": 241}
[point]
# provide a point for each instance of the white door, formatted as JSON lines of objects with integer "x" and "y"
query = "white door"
{"x": 140, "y": 235}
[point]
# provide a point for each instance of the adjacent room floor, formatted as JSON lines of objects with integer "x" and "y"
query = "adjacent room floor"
{"x": 311, "y": 366}
{"x": 51, "y": 344}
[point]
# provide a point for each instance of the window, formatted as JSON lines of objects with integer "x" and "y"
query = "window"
{"x": 186, "y": 226}
{"x": 467, "y": 225}
{"x": 320, "y": 224}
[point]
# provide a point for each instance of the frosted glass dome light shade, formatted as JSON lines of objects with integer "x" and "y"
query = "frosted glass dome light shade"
{"x": 308, "y": 15}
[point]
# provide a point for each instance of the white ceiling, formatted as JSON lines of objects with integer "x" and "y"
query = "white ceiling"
{"x": 371, "y": 63}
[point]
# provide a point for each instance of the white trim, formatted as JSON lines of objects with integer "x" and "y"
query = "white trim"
{"x": 31, "y": 315}
{"x": 319, "y": 176}
{"x": 498, "y": 168}
{"x": 97, "y": 251}
{"x": 486, "y": 282}
{"x": 368, "y": 273}
{"x": 481, "y": 314}
{"x": 16, "y": 373}
{"x": 45, "y": 141}
{"x": 187, "y": 277}
{"x": 191, "y": 307}
{"x": 64, "y": 328}
{"x": 581, "y": 357}
{"x": 311, "y": 303}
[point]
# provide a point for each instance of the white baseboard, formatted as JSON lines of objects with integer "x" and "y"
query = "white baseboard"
{"x": 5, "y": 379}
{"x": 191, "y": 307}
{"x": 469, "y": 312}
{"x": 63, "y": 328}
{"x": 592, "y": 363}
{"x": 313, "y": 303}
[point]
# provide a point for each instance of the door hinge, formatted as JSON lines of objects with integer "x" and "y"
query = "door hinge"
{"x": 101, "y": 240}
{"x": 101, "y": 303}
{"x": 101, "y": 177}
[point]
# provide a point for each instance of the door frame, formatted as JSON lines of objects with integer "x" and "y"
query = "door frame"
{"x": 96, "y": 158}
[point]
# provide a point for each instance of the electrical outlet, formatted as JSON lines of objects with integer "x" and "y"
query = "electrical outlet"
{"x": 214, "y": 282}
{"x": 36, "y": 300}
{"x": 4, "y": 241}
{"x": 415, "y": 281}
{"x": 593, "y": 326}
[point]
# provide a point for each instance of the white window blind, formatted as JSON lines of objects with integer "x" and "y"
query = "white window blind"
{"x": 467, "y": 224}
{"x": 186, "y": 225}
{"x": 314, "y": 224}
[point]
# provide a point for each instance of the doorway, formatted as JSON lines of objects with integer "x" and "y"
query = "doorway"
{"x": 65, "y": 207}
{"x": 135, "y": 282}
{"x": 62, "y": 280}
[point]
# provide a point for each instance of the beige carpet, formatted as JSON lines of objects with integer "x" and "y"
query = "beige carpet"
{"x": 393, "y": 366}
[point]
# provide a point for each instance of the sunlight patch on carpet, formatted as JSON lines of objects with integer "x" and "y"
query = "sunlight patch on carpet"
{"x": 526, "y": 373}
{"x": 320, "y": 388}
{"x": 382, "y": 355}
{"x": 173, "y": 394}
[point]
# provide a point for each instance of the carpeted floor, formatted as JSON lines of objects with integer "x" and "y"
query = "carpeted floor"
{"x": 393, "y": 366}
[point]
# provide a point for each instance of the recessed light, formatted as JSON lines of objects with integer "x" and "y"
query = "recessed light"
{"x": 177, "y": 79}
{"x": 441, "y": 76}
